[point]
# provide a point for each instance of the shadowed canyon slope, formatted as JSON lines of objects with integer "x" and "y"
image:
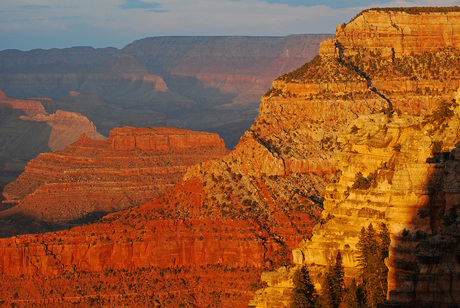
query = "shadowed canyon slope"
{"x": 91, "y": 178}
{"x": 351, "y": 109}
{"x": 27, "y": 130}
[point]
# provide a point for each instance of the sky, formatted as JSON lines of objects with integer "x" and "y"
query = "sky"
{"x": 46, "y": 24}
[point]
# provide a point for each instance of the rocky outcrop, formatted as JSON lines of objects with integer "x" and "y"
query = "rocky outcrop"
{"x": 66, "y": 127}
{"x": 29, "y": 107}
{"x": 90, "y": 178}
{"x": 395, "y": 150}
{"x": 27, "y": 130}
{"x": 406, "y": 195}
{"x": 397, "y": 32}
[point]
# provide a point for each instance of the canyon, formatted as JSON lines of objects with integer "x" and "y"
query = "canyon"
{"x": 26, "y": 130}
{"x": 203, "y": 83}
{"x": 91, "y": 178}
{"x": 235, "y": 228}
{"x": 211, "y": 84}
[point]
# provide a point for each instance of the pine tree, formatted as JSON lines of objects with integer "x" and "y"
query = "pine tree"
{"x": 334, "y": 284}
{"x": 351, "y": 299}
{"x": 372, "y": 251}
{"x": 304, "y": 292}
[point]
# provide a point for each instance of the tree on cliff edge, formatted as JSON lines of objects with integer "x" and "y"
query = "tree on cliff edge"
{"x": 372, "y": 251}
{"x": 334, "y": 284}
{"x": 304, "y": 292}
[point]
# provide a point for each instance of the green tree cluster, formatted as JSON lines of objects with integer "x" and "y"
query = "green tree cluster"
{"x": 334, "y": 285}
{"x": 372, "y": 251}
{"x": 303, "y": 294}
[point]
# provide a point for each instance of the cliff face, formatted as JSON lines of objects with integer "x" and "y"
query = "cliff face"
{"x": 397, "y": 33}
{"x": 28, "y": 130}
{"x": 244, "y": 212}
{"x": 409, "y": 190}
{"x": 90, "y": 178}
{"x": 29, "y": 107}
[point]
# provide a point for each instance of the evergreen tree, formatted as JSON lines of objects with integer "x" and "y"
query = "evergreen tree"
{"x": 353, "y": 298}
{"x": 303, "y": 293}
{"x": 372, "y": 251}
{"x": 334, "y": 284}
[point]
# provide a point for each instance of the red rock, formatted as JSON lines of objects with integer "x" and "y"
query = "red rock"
{"x": 29, "y": 107}
{"x": 132, "y": 166}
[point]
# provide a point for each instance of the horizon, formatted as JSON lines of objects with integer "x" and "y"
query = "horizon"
{"x": 47, "y": 24}
{"x": 170, "y": 36}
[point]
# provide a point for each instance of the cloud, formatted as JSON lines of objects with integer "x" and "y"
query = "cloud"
{"x": 139, "y": 4}
{"x": 35, "y": 6}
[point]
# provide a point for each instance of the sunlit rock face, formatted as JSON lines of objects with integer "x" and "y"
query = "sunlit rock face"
{"x": 94, "y": 177}
{"x": 234, "y": 217}
{"x": 383, "y": 59}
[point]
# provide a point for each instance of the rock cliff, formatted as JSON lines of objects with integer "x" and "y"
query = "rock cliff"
{"x": 29, "y": 107}
{"x": 90, "y": 178}
{"x": 28, "y": 130}
{"x": 350, "y": 112}
{"x": 403, "y": 152}
{"x": 66, "y": 127}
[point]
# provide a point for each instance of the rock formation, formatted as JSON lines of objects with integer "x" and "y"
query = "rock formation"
{"x": 28, "y": 130}
{"x": 66, "y": 127}
{"x": 349, "y": 112}
{"x": 90, "y": 178}
{"x": 29, "y": 107}
{"x": 403, "y": 152}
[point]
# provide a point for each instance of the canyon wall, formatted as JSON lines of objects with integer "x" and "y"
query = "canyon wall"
{"x": 398, "y": 149}
{"x": 202, "y": 83}
{"x": 246, "y": 211}
{"x": 90, "y": 178}
{"x": 28, "y": 130}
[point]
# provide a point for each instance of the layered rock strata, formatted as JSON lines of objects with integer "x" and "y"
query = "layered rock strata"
{"x": 27, "y": 130}
{"x": 408, "y": 195}
{"x": 93, "y": 177}
{"x": 209, "y": 84}
{"x": 261, "y": 200}
{"x": 29, "y": 107}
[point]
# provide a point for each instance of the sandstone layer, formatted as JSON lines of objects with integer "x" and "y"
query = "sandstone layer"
{"x": 90, "y": 178}
{"x": 246, "y": 211}
{"x": 414, "y": 81}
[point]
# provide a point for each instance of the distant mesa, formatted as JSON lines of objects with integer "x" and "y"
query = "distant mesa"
{"x": 74, "y": 93}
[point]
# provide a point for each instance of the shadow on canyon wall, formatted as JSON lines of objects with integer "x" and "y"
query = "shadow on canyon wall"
{"x": 424, "y": 256}
{"x": 19, "y": 224}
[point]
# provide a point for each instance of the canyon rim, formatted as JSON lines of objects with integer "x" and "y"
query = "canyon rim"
{"x": 380, "y": 99}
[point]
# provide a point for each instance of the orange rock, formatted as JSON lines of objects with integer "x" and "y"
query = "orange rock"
{"x": 132, "y": 166}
